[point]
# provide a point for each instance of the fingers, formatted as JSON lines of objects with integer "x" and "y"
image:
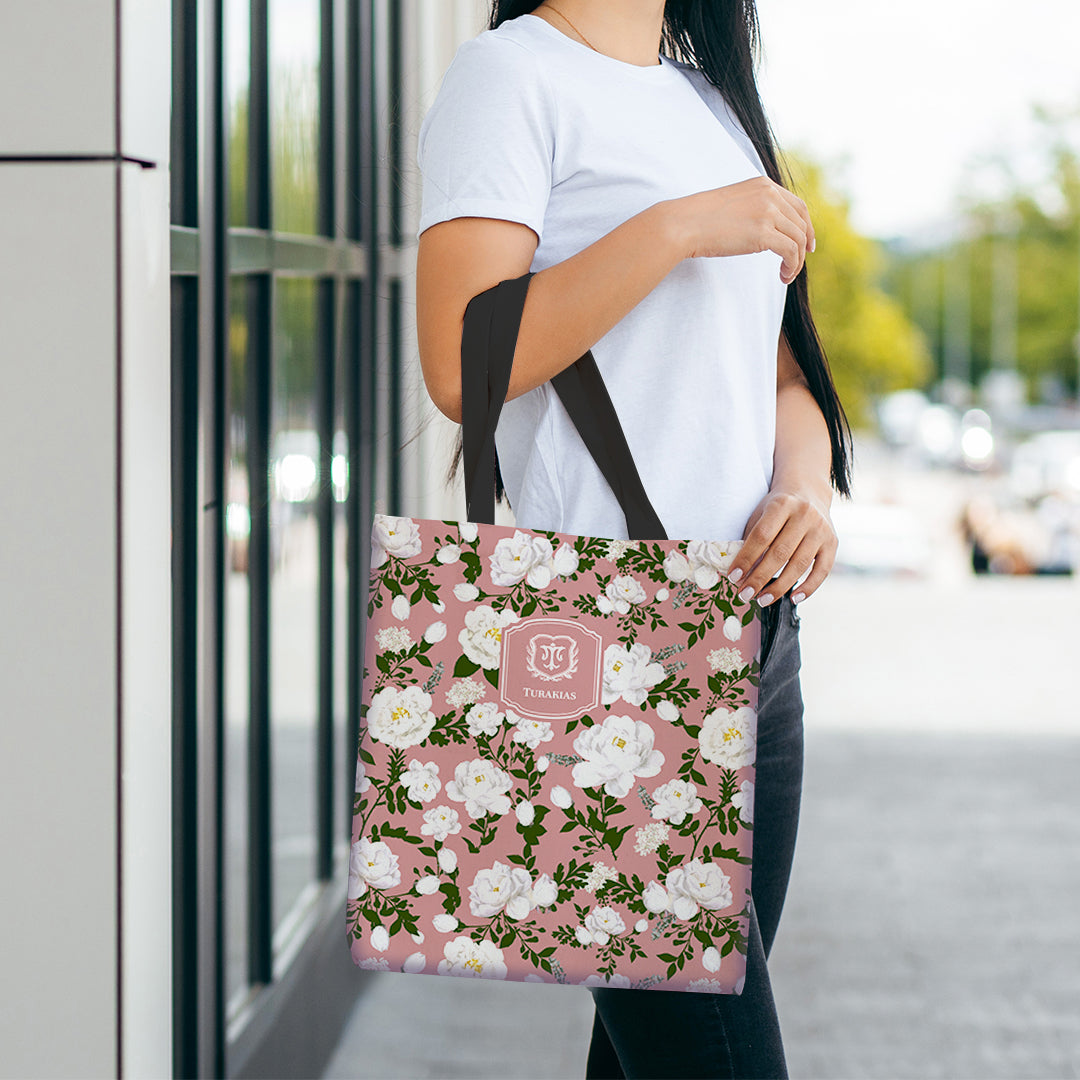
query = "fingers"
{"x": 800, "y": 208}
{"x": 793, "y": 251}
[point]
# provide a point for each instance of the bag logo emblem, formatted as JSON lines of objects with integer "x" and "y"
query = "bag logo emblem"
{"x": 557, "y": 661}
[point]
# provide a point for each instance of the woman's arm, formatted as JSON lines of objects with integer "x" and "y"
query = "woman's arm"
{"x": 791, "y": 524}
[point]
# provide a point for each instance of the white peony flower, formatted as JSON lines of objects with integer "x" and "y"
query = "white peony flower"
{"x": 733, "y": 628}
{"x": 629, "y": 672}
{"x": 606, "y": 980}
{"x": 481, "y": 639}
{"x": 400, "y": 717}
{"x": 523, "y": 557}
{"x": 604, "y": 605}
{"x": 624, "y": 590}
{"x": 526, "y": 812}
{"x": 743, "y": 801}
{"x": 440, "y": 822}
{"x": 676, "y": 566}
{"x": 401, "y": 606}
{"x": 544, "y": 891}
{"x": 530, "y": 732}
{"x": 371, "y": 863}
{"x": 661, "y": 594}
{"x": 447, "y": 860}
{"x": 418, "y": 937}
{"x": 667, "y": 710}
{"x": 565, "y": 560}
{"x": 426, "y": 885}
{"x": 655, "y": 897}
{"x": 675, "y": 800}
{"x": 502, "y": 887}
{"x": 438, "y": 607}
{"x": 448, "y": 553}
{"x": 472, "y": 959}
{"x": 362, "y": 781}
{"x": 421, "y": 782}
{"x": 414, "y": 962}
{"x": 698, "y": 884}
{"x": 614, "y": 753}
{"x": 399, "y": 537}
{"x": 466, "y": 592}
{"x": 542, "y": 762}
{"x": 583, "y": 935}
{"x": 641, "y": 925}
{"x": 604, "y": 923}
{"x": 380, "y": 938}
{"x": 482, "y": 786}
{"x": 435, "y": 632}
{"x": 444, "y": 923}
{"x": 710, "y": 958}
{"x": 484, "y": 719}
{"x": 709, "y": 559}
{"x": 375, "y": 963}
{"x": 561, "y": 797}
{"x": 729, "y": 738}
{"x": 468, "y": 531}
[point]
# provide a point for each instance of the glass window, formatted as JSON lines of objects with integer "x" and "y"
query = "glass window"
{"x": 237, "y": 87}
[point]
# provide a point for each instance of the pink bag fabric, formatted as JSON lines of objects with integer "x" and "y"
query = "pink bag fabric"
{"x": 555, "y": 779}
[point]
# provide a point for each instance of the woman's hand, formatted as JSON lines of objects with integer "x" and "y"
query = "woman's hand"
{"x": 741, "y": 219}
{"x": 792, "y": 527}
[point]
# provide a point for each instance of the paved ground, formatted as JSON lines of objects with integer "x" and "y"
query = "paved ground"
{"x": 931, "y": 925}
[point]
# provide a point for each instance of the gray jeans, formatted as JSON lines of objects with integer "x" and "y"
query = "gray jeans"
{"x": 656, "y": 1034}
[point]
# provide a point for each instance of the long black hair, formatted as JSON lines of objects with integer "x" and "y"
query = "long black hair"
{"x": 722, "y": 39}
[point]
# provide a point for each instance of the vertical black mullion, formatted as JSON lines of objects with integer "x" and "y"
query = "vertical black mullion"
{"x": 394, "y": 99}
{"x": 327, "y": 112}
{"x": 184, "y": 432}
{"x": 260, "y": 335}
{"x": 393, "y": 359}
{"x": 354, "y": 73}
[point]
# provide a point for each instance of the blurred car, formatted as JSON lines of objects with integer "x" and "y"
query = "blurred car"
{"x": 880, "y": 538}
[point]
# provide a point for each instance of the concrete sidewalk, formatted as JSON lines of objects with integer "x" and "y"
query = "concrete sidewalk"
{"x": 930, "y": 930}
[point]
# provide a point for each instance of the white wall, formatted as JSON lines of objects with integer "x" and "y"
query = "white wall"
{"x": 85, "y": 544}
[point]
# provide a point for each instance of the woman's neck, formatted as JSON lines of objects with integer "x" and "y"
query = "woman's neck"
{"x": 628, "y": 30}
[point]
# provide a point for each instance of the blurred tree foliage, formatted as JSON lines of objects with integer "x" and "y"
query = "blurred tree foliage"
{"x": 872, "y": 345}
{"x": 1036, "y": 228}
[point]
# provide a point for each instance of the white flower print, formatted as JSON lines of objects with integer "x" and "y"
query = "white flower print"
{"x": 697, "y": 884}
{"x": 661, "y": 594}
{"x": 710, "y": 959}
{"x": 396, "y": 536}
{"x": 438, "y": 607}
{"x": 629, "y": 672}
{"x": 362, "y": 780}
{"x": 655, "y": 897}
{"x": 709, "y": 559}
{"x": 604, "y": 923}
{"x": 400, "y": 606}
{"x": 482, "y": 786}
{"x": 440, "y": 822}
{"x": 641, "y": 926}
{"x": 614, "y": 753}
{"x": 447, "y": 860}
{"x": 435, "y": 633}
{"x": 502, "y": 887}
{"x": 705, "y": 986}
{"x": 545, "y": 891}
{"x": 522, "y": 557}
{"x": 465, "y": 692}
{"x": 484, "y": 719}
{"x": 375, "y": 963}
{"x": 617, "y": 548}
{"x": 372, "y": 863}
{"x": 733, "y": 628}
{"x": 526, "y": 812}
{"x": 530, "y": 732}
{"x": 426, "y": 885}
{"x": 676, "y": 566}
{"x": 421, "y": 782}
{"x": 675, "y": 800}
{"x": 444, "y": 923}
{"x": 448, "y": 553}
{"x": 583, "y": 935}
{"x": 606, "y": 980}
{"x": 729, "y": 738}
{"x": 400, "y": 717}
{"x": 599, "y": 875}
{"x": 561, "y": 797}
{"x": 414, "y": 963}
{"x": 380, "y": 938}
{"x": 468, "y": 531}
{"x": 565, "y": 560}
{"x": 482, "y": 637}
{"x": 667, "y": 710}
{"x": 649, "y": 837}
{"x": 542, "y": 763}
{"x": 739, "y": 984}
{"x": 472, "y": 959}
{"x": 743, "y": 801}
{"x": 393, "y": 638}
{"x": 604, "y": 605}
{"x": 466, "y": 592}
{"x": 624, "y": 590}
{"x": 418, "y": 937}
{"x": 726, "y": 660}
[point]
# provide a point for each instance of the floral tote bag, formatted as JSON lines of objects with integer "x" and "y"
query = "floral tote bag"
{"x": 555, "y": 780}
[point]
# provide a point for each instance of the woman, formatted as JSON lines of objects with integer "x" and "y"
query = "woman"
{"x": 643, "y": 191}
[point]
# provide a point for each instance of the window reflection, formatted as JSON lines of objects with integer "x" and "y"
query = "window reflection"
{"x": 294, "y": 114}
{"x": 237, "y": 86}
{"x": 294, "y": 566}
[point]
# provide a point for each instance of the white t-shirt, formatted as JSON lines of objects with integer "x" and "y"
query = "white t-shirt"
{"x": 533, "y": 126}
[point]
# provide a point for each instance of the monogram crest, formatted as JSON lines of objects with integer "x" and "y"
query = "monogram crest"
{"x": 552, "y": 656}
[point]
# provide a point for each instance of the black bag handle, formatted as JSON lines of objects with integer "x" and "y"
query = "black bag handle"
{"x": 489, "y": 337}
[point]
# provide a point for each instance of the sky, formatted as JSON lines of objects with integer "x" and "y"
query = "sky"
{"x": 900, "y": 100}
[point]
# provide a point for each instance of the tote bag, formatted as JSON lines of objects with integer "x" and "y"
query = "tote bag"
{"x": 555, "y": 779}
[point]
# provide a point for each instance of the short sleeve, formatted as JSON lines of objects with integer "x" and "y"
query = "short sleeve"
{"x": 486, "y": 144}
